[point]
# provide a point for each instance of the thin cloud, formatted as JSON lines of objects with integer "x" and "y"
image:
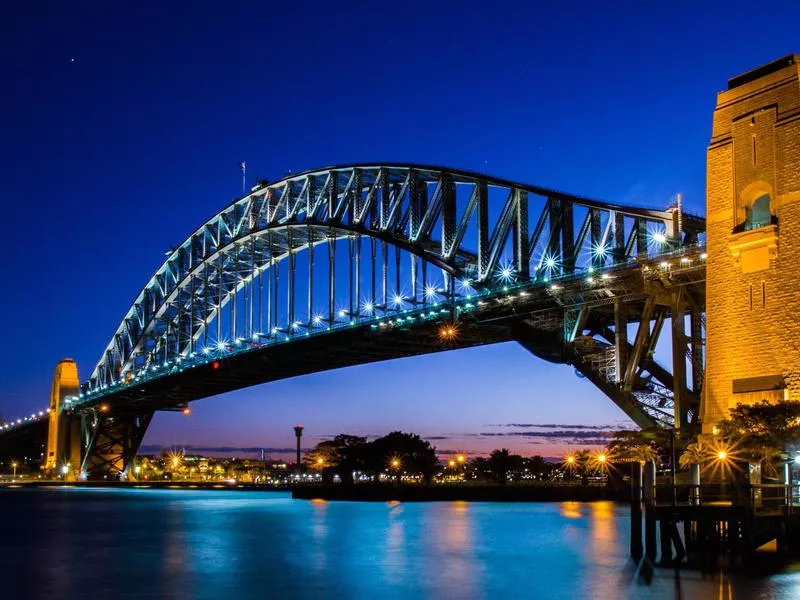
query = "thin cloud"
{"x": 571, "y": 434}
{"x": 555, "y": 426}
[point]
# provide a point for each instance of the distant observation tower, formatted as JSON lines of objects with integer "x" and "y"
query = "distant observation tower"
{"x": 298, "y": 433}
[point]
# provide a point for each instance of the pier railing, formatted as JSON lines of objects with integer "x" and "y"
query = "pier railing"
{"x": 762, "y": 498}
{"x": 701, "y": 522}
{"x": 774, "y": 498}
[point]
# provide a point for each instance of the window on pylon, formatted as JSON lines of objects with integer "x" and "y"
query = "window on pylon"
{"x": 758, "y": 214}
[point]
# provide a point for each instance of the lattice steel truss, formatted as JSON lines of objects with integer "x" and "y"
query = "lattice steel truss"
{"x": 113, "y": 441}
{"x": 400, "y": 235}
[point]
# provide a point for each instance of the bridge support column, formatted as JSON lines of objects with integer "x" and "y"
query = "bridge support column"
{"x": 113, "y": 440}
{"x": 680, "y": 390}
{"x": 649, "y": 496}
{"x": 63, "y": 454}
{"x": 697, "y": 344}
{"x": 636, "y": 512}
{"x": 620, "y": 340}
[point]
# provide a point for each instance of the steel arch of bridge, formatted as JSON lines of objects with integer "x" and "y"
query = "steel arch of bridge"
{"x": 473, "y": 232}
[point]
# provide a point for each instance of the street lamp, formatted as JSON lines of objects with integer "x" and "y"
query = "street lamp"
{"x": 601, "y": 462}
{"x": 14, "y": 466}
{"x": 570, "y": 464}
{"x": 724, "y": 458}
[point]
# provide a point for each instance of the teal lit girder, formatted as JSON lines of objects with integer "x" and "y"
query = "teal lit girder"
{"x": 358, "y": 263}
{"x": 462, "y": 224}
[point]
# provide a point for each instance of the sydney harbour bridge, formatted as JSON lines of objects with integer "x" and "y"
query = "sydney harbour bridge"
{"x": 353, "y": 264}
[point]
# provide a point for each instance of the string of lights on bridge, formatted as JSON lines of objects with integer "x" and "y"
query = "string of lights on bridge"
{"x": 36, "y": 416}
{"x": 436, "y": 306}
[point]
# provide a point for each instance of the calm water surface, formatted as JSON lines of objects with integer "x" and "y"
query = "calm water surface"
{"x": 79, "y": 543}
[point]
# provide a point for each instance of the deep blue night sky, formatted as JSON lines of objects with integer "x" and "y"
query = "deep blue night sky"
{"x": 123, "y": 125}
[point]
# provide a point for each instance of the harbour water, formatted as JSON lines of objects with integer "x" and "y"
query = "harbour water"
{"x": 193, "y": 544}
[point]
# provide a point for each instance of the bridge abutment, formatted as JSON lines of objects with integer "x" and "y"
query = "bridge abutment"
{"x": 753, "y": 242}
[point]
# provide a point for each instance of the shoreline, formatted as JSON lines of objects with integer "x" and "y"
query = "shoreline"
{"x": 156, "y": 485}
{"x": 365, "y": 492}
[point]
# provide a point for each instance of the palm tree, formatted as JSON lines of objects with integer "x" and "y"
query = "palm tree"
{"x": 696, "y": 453}
{"x": 634, "y": 446}
{"x": 498, "y": 461}
{"x": 502, "y": 461}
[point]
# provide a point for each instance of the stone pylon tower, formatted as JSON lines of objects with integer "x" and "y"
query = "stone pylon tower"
{"x": 63, "y": 434}
{"x": 753, "y": 237}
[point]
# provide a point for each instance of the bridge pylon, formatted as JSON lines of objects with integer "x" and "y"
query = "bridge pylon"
{"x": 753, "y": 239}
{"x": 63, "y": 456}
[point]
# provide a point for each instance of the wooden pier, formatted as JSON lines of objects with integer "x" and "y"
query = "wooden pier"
{"x": 695, "y": 525}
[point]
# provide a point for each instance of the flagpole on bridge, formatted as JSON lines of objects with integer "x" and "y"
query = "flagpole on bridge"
{"x": 243, "y": 167}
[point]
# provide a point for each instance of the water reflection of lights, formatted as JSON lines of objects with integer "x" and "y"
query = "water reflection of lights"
{"x": 571, "y": 510}
{"x": 602, "y": 532}
{"x": 456, "y": 541}
{"x": 457, "y": 534}
{"x": 396, "y": 556}
{"x": 319, "y": 532}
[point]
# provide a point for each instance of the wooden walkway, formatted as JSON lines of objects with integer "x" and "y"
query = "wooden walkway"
{"x": 695, "y": 525}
